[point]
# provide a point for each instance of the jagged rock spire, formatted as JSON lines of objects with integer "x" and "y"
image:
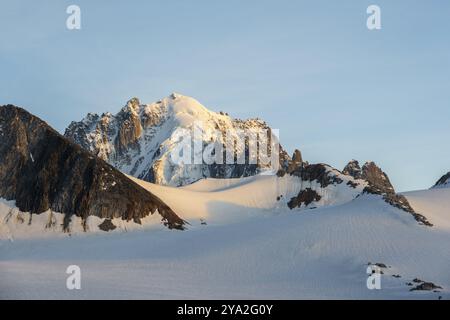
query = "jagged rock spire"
{"x": 353, "y": 169}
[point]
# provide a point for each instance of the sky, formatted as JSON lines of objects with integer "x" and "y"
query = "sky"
{"x": 312, "y": 69}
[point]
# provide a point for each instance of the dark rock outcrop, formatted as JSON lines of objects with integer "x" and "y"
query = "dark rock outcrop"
{"x": 107, "y": 225}
{"x": 316, "y": 172}
{"x": 379, "y": 184}
{"x": 444, "y": 181}
{"x": 285, "y": 159}
{"x": 41, "y": 170}
{"x": 131, "y": 128}
{"x": 353, "y": 169}
{"x": 352, "y": 184}
{"x": 425, "y": 286}
{"x": 296, "y": 162}
{"x": 378, "y": 264}
{"x": 305, "y": 197}
{"x": 289, "y": 165}
{"x": 297, "y": 157}
{"x": 378, "y": 180}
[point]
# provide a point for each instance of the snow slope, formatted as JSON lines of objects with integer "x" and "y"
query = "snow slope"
{"x": 319, "y": 253}
{"x": 229, "y": 200}
{"x": 434, "y": 203}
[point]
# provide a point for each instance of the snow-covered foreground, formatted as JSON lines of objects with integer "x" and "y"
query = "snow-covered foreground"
{"x": 278, "y": 253}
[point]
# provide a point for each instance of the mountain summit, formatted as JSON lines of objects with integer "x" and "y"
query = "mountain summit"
{"x": 141, "y": 138}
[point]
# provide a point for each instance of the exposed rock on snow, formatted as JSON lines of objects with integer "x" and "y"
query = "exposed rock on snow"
{"x": 378, "y": 183}
{"x": 305, "y": 197}
{"x": 63, "y": 177}
{"x": 107, "y": 225}
{"x": 317, "y": 172}
{"x": 317, "y": 181}
{"x": 352, "y": 184}
{"x": 368, "y": 179}
{"x": 378, "y": 264}
{"x": 443, "y": 182}
{"x": 425, "y": 286}
{"x": 378, "y": 180}
{"x": 296, "y": 162}
{"x": 353, "y": 169}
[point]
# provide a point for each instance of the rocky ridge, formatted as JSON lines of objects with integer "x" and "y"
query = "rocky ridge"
{"x": 443, "y": 182}
{"x": 41, "y": 170}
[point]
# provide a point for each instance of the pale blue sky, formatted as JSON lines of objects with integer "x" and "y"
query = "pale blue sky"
{"x": 335, "y": 90}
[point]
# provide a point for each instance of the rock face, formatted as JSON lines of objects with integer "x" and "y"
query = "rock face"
{"x": 297, "y": 157}
{"x": 296, "y": 162}
{"x": 353, "y": 169}
{"x": 379, "y": 184}
{"x": 305, "y": 197}
{"x": 107, "y": 225}
{"x": 443, "y": 182}
{"x": 42, "y": 170}
{"x": 425, "y": 286}
{"x": 313, "y": 172}
{"x": 319, "y": 180}
{"x": 141, "y": 139}
{"x": 378, "y": 180}
{"x": 320, "y": 185}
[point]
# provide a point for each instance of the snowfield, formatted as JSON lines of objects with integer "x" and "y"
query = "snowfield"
{"x": 435, "y": 202}
{"x": 221, "y": 201}
{"x": 242, "y": 243}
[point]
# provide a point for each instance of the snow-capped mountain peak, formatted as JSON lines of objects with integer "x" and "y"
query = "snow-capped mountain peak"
{"x": 141, "y": 138}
